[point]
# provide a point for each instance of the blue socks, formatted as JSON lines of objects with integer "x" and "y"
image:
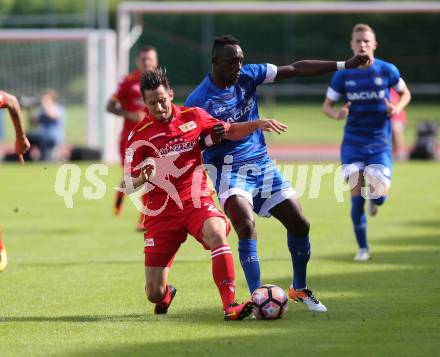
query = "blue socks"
{"x": 359, "y": 220}
{"x": 247, "y": 250}
{"x": 299, "y": 247}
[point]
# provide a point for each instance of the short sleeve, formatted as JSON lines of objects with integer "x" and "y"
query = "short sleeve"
{"x": 2, "y": 99}
{"x": 336, "y": 89}
{"x": 208, "y": 122}
{"x": 256, "y": 72}
{"x": 271, "y": 73}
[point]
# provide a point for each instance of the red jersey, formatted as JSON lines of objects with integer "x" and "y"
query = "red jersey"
{"x": 2, "y": 99}
{"x": 128, "y": 94}
{"x": 394, "y": 99}
{"x": 174, "y": 147}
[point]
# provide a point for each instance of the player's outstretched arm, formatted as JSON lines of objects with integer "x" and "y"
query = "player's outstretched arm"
{"x": 238, "y": 131}
{"x": 307, "y": 68}
{"x": 21, "y": 141}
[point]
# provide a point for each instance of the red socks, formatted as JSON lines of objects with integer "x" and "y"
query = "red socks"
{"x": 223, "y": 273}
{"x": 1, "y": 244}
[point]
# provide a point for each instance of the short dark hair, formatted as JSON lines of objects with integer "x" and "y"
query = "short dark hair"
{"x": 222, "y": 41}
{"x": 363, "y": 28}
{"x": 145, "y": 48}
{"x": 153, "y": 79}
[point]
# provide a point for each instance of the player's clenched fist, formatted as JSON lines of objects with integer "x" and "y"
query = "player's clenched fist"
{"x": 217, "y": 133}
{"x": 391, "y": 108}
{"x": 149, "y": 170}
{"x": 343, "y": 112}
{"x": 358, "y": 60}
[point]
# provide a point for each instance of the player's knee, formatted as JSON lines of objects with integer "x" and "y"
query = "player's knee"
{"x": 301, "y": 227}
{"x": 245, "y": 228}
{"x": 216, "y": 238}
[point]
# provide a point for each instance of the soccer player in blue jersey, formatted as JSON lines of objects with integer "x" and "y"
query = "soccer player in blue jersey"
{"x": 366, "y": 151}
{"x": 244, "y": 176}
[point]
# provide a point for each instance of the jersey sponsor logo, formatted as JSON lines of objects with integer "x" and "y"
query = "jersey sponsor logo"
{"x": 219, "y": 110}
{"x": 188, "y": 126}
{"x": 177, "y": 146}
{"x": 350, "y": 83}
{"x": 366, "y": 95}
{"x": 149, "y": 242}
{"x": 378, "y": 81}
{"x": 242, "y": 112}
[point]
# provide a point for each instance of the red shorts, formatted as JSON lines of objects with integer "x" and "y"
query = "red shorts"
{"x": 167, "y": 231}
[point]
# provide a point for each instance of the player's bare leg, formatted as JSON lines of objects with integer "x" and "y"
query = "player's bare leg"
{"x": 158, "y": 291}
{"x": 240, "y": 212}
{"x": 119, "y": 200}
{"x": 214, "y": 236}
{"x": 289, "y": 213}
{"x": 3, "y": 254}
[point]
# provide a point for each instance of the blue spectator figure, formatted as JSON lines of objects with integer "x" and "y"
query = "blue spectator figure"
{"x": 50, "y": 121}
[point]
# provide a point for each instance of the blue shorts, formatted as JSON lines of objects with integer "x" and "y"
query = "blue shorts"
{"x": 261, "y": 183}
{"x": 379, "y": 165}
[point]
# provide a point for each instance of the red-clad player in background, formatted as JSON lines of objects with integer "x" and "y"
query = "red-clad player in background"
{"x": 398, "y": 125}
{"x": 127, "y": 102}
{"x": 163, "y": 151}
{"x": 22, "y": 145}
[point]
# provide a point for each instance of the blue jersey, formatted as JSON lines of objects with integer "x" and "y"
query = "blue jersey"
{"x": 237, "y": 103}
{"x": 368, "y": 126}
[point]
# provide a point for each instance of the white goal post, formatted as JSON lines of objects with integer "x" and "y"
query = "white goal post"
{"x": 130, "y": 26}
{"x": 81, "y": 64}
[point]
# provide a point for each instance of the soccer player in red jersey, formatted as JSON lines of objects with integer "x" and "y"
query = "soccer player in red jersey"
{"x": 127, "y": 102}
{"x": 163, "y": 152}
{"x": 398, "y": 124}
{"x": 22, "y": 145}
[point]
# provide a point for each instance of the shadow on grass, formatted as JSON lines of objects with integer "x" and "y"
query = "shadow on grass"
{"x": 426, "y": 223}
{"x": 422, "y": 240}
{"x": 266, "y": 339}
{"x": 79, "y": 263}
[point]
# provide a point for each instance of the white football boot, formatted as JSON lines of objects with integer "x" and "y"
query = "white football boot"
{"x": 307, "y": 298}
{"x": 362, "y": 255}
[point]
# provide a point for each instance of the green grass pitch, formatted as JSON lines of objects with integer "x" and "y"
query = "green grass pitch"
{"x": 74, "y": 285}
